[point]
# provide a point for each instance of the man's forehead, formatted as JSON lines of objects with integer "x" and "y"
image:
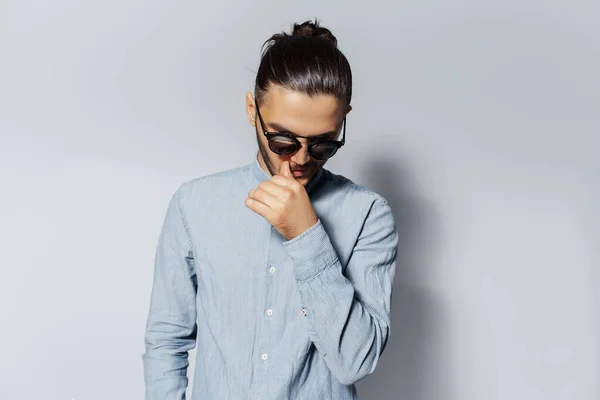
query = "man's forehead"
{"x": 303, "y": 131}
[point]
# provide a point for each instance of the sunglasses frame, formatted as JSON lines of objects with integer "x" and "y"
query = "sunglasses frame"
{"x": 312, "y": 143}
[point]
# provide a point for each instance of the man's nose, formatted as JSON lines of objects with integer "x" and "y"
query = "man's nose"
{"x": 302, "y": 157}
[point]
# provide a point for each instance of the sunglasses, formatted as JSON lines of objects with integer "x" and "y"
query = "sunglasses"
{"x": 284, "y": 143}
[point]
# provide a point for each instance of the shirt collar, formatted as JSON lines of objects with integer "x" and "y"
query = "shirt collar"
{"x": 260, "y": 175}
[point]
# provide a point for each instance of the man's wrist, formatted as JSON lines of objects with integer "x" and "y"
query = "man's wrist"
{"x": 311, "y": 251}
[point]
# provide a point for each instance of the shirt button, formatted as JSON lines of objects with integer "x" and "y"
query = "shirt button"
{"x": 264, "y": 356}
{"x": 272, "y": 269}
{"x": 269, "y": 312}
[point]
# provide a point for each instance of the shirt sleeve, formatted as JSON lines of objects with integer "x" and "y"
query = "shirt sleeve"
{"x": 171, "y": 325}
{"x": 348, "y": 312}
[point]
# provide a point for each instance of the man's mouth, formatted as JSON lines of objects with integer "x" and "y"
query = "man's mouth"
{"x": 299, "y": 172}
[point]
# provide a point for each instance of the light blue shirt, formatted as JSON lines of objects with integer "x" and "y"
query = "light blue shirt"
{"x": 271, "y": 319}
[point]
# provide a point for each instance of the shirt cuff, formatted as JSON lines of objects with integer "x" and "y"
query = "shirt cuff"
{"x": 311, "y": 252}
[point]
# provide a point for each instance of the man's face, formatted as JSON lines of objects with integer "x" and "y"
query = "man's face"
{"x": 296, "y": 113}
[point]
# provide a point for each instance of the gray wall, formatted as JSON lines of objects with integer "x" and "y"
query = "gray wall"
{"x": 479, "y": 121}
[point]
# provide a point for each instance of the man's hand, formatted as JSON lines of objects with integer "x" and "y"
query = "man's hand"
{"x": 283, "y": 202}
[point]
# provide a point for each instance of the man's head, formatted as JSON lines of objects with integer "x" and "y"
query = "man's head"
{"x": 303, "y": 89}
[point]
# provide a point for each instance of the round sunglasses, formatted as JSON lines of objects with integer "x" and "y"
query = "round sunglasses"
{"x": 284, "y": 143}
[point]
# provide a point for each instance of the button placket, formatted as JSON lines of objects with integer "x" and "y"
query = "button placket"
{"x": 271, "y": 270}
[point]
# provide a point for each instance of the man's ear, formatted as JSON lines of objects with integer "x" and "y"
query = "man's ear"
{"x": 250, "y": 109}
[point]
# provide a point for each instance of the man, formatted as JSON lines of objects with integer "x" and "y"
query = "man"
{"x": 279, "y": 271}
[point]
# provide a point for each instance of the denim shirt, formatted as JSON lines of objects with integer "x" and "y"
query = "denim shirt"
{"x": 271, "y": 319}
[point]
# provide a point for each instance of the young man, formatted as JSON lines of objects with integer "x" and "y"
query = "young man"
{"x": 279, "y": 271}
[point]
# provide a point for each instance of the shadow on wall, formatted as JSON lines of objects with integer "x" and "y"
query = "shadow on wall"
{"x": 415, "y": 362}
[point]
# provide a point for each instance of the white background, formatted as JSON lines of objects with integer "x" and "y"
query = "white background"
{"x": 478, "y": 120}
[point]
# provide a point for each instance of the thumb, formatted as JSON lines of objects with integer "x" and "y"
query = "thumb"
{"x": 285, "y": 170}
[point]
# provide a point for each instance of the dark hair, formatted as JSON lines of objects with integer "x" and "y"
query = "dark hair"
{"x": 307, "y": 61}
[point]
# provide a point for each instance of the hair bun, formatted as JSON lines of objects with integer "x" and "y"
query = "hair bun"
{"x": 313, "y": 30}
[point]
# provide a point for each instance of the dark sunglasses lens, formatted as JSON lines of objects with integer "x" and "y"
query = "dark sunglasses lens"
{"x": 282, "y": 145}
{"x": 323, "y": 150}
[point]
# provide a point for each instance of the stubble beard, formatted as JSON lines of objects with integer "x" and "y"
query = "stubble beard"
{"x": 264, "y": 153}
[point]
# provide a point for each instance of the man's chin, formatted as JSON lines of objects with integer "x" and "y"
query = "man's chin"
{"x": 303, "y": 181}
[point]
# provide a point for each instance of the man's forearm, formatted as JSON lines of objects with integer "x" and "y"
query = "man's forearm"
{"x": 171, "y": 326}
{"x": 348, "y": 318}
